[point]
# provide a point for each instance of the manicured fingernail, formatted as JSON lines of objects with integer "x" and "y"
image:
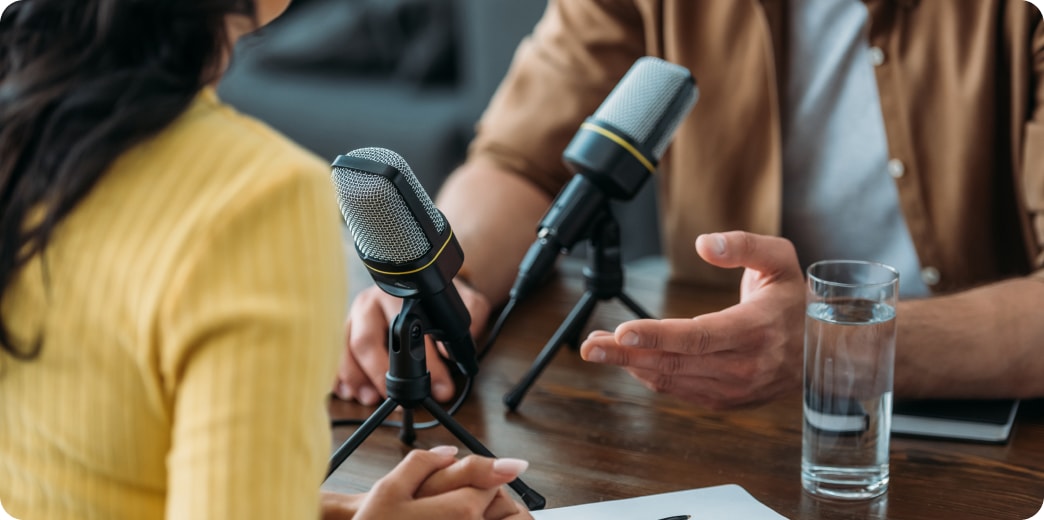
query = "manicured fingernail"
{"x": 448, "y": 451}
{"x": 510, "y": 466}
{"x": 368, "y": 396}
{"x": 629, "y": 339}
{"x": 596, "y": 355}
{"x": 343, "y": 392}
{"x": 719, "y": 244}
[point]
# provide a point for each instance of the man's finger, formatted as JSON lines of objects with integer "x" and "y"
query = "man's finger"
{"x": 732, "y": 386}
{"x": 706, "y": 392}
{"x": 368, "y": 344}
{"x": 477, "y": 304}
{"x": 606, "y": 350}
{"x": 773, "y": 256}
{"x": 739, "y": 327}
{"x": 350, "y": 377}
{"x": 701, "y": 391}
{"x": 441, "y": 382}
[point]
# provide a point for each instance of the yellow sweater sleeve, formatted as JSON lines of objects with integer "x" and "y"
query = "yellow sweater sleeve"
{"x": 247, "y": 355}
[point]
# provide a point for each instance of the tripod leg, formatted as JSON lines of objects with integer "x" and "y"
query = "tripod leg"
{"x": 531, "y": 498}
{"x": 573, "y": 340}
{"x": 357, "y": 438}
{"x": 407, "y": 434}
{"x": 633, "y": 305}
{"x": 582, "y": 308}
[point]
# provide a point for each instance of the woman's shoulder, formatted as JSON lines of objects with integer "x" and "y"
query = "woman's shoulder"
{"x": 212, "y": 165}
{"x": 219, "y": 127}
{"x": 213, "y": 155}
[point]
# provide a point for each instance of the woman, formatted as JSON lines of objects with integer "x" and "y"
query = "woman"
{"x": 172, "y": 285}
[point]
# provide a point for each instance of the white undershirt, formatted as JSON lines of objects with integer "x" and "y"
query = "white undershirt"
{"x": 838, "y": 199}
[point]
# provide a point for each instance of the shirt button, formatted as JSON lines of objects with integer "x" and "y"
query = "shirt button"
{"x": 930, "y": 276}
{"x": 877, "y": 56}
{"x": 896, "y": 168}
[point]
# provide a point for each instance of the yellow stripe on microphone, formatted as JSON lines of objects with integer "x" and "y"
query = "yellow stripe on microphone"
{"x": 421, "y": 268}
{"x": 623, "y": 143}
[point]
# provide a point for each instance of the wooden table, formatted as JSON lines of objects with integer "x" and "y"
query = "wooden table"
{"x": 592, "y": 433}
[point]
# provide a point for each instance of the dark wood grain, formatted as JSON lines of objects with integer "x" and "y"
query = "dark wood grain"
{"x": 592, "y": 433}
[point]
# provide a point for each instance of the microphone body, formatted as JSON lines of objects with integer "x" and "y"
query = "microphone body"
{"x": 613, "y": 154}
{"x": 408, "y": 247}
{"x": 405, "y": 242}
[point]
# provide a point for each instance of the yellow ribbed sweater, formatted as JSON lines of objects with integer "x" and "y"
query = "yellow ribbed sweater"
{"x": 191, "y": 312}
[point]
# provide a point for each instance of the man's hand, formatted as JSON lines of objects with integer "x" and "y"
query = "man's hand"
{"x": 365, "y": 362}
{"x": 746, "y": 354}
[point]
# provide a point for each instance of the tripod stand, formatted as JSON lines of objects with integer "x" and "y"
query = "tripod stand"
{"x": 409, "y": 385}
{"x": 604, "y": 279}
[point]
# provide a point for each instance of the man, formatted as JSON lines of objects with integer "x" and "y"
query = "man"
{"x": 902, "y": 131}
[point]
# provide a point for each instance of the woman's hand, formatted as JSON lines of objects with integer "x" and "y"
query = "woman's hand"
{"x": 435, "y": 485}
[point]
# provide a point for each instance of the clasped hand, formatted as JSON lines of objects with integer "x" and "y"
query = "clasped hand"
{"x": 435, "y": 485}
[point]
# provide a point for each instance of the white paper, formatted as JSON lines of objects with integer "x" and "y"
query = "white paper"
{"x": 727, "y": 502}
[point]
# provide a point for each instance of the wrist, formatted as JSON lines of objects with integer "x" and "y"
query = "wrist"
{"x": 336, "y": 506}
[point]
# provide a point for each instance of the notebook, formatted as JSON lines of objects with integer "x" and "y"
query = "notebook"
{"x": 965, "y": 419}
{"x": 725, "y": 502}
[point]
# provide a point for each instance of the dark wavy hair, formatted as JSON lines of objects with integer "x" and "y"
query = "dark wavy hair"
{"x": 81, "y": 81}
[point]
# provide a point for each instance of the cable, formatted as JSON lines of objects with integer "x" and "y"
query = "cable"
{"x": 501, "y": 320}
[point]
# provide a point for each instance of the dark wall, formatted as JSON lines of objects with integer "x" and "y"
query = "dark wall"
{"x": 411, "y": 76}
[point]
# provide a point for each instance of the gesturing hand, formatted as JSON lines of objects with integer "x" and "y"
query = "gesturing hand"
{"x": 746, "y": 354}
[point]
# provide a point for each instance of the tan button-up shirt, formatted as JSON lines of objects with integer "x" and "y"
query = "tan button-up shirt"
{"x": 960, "y": 89}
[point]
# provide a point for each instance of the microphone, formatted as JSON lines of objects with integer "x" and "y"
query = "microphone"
{"x": 613, "y": 153}
{"x": 405, "y": 242}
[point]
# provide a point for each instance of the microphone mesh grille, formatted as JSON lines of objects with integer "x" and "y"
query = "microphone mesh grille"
{"x": 377, "y": 215}
{"x": 639, "y": 103}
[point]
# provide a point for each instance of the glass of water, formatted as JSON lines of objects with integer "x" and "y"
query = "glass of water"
{"x": 849, "y": 364}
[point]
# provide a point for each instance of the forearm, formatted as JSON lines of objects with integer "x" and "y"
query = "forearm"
{"x": 985, "y": 342}
{"x": 494, "y": 215}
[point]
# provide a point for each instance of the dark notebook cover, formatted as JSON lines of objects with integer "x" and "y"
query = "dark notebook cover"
{"x": 971, "y": 420}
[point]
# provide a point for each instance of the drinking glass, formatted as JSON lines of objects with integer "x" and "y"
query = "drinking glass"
{"x": 849, "y": 365}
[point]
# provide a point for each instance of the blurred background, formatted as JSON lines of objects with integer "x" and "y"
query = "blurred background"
{"x": 412, "y": 76}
